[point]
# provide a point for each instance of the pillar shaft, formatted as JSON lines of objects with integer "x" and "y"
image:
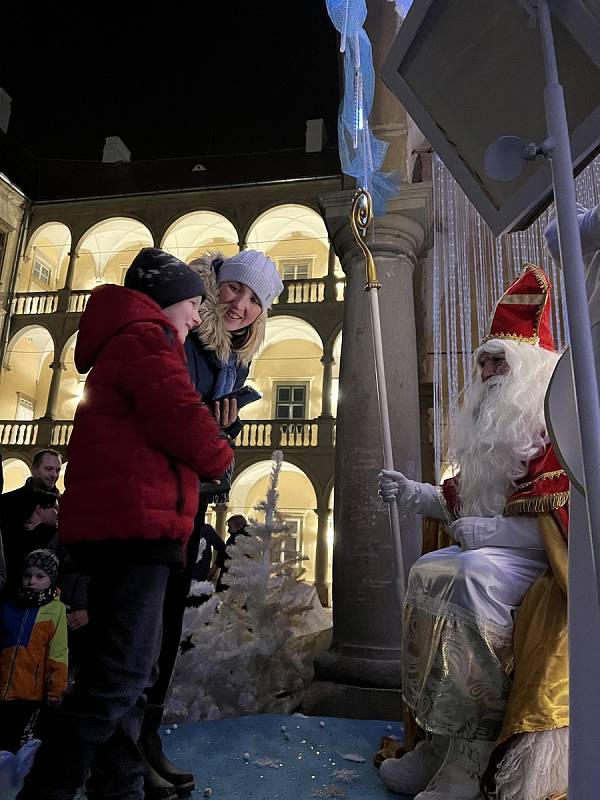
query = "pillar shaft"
{"x": 330, "y": 280}
{"x": 71, "y": 270}
{"x": 327, "y": 361}
{"x": 221, "y": 522}
{"x": 366, "y": 616}
{"x": 51, "y": 406}
{"x": 321, "y": 556}
{"x": 64, "y": 293}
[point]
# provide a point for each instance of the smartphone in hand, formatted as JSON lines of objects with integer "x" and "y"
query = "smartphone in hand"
{"x": 244, "y": 396}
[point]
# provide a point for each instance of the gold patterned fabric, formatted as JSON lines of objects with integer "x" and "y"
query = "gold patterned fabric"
{"x": 539, "y": 698}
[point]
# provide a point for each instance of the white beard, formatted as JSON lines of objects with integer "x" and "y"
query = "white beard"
{"x": 499, "y": 430}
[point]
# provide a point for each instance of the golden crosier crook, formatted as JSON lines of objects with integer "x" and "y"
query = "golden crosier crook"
{"x": 360, "y": 218}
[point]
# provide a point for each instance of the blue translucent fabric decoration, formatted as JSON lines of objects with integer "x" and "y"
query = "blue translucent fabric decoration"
{"x": 14, "y": 768}
{"x": 402, "y": 6}
{"x": 361, "y": 153}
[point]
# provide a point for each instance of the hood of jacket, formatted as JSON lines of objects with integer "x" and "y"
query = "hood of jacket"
{"x": 109, "y": 310}
{"x": 212, "y": 332}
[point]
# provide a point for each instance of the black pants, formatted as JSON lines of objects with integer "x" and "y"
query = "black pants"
{"x": 15, "y": 716}
{"x": 103, "y": 714}
{"x": 178, "y": 588}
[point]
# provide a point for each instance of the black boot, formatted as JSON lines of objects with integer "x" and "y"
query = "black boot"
{"x": 159, "y": 764}
{"x": 155, "y": 786}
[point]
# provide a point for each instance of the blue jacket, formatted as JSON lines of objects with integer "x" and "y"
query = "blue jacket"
{"x": 203, "y": 366}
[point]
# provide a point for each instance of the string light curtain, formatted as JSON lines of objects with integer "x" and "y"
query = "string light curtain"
{"x": 471, "y": 270}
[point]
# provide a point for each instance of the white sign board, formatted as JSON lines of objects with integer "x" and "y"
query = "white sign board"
{"x": 470, "y": 71}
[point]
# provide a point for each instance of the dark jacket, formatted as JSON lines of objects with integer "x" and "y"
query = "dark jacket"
{"x": 203, "y": 366}
{"x": 141, "y": 436}
{"x": 16, "y": 508}
{"x": 2, "y": 566}
{"x": 213, "y": 542}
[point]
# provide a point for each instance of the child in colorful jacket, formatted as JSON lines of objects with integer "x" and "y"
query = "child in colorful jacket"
{"x": 33, "y": 648}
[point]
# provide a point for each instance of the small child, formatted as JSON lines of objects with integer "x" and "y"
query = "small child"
{"x": 33, "y": 648}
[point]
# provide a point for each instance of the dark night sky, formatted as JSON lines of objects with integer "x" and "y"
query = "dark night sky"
{"x": 180, "y": 80}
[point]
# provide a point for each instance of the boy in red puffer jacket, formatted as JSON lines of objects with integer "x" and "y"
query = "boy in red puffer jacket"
{"x": 142, "y": 439}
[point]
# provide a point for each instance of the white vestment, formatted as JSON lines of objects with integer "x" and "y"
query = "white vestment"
{"x": 458, "y": 626}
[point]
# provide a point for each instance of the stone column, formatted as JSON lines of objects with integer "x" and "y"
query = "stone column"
{"x": 57, "y": 368}
{"x": 327, "y": 361}
{"x": 221, "y": 521}
{"x": 330, "y": 287}
{"x": 321, "y": 586}
{"x": 65, "y": 292}
{"x": 409, "y": 151}
{"x": 366, "y": 617}
{"x": 388, "y": 120}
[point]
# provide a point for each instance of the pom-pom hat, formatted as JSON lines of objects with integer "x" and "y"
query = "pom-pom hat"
{"x": 256, "y": 271}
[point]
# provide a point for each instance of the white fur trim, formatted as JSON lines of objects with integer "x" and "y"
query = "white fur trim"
{"x": 535, "y": 765}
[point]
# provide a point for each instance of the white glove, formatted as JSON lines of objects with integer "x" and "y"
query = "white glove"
{"x": 521, "y": 532}
{"x": 395, "y": 486}
{"x": 421, "y": 498}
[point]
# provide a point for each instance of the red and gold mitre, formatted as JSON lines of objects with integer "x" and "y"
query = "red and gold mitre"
{"x": 523, "y": 312}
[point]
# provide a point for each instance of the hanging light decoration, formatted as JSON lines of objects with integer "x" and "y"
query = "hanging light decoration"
{"x": 470, "y": 270}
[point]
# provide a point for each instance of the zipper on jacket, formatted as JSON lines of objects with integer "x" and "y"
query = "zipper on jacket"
{"x": 14, "y": 658}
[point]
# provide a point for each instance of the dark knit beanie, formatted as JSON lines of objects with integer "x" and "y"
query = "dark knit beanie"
{"x": 163, "y": 277}
{"x": 44, "y": 560}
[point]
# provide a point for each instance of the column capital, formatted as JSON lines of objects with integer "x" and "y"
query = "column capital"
{"x": 58, "y": 366}
{"x": 322, "y": 510}
{"x": 405, "y": 229}
{"x": 327, "y": 359}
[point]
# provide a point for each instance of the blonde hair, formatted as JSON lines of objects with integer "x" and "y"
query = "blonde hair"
{"x": 212, "y": 333}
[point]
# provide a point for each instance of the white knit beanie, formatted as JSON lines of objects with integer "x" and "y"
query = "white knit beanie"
{"x": 256, "y": 271}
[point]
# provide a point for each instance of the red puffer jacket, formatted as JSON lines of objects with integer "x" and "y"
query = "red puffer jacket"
{"x": 142, "y": 437}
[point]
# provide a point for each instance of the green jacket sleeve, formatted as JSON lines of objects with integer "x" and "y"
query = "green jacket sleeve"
{"x": 58, "y": 657}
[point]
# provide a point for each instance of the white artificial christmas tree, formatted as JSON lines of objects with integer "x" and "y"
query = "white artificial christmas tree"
{"x": 253, "y": 645}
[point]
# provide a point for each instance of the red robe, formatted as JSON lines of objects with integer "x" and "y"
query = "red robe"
{"x": 544, "y": 488}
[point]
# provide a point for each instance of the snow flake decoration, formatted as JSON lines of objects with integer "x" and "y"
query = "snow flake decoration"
{"x": 268, "y": 762}
{"x": 329, "y": 791}
{"x": 356, "y": 757}
{"x": 345, "y": 775}
{"x": 251, "y": 648}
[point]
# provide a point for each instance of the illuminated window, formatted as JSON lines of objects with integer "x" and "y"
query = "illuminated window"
{"x": 290, "y": 401}
{"x": 41, "y": 272}
{"x": 24, "y": 409}
{"x": 295, "y": 268}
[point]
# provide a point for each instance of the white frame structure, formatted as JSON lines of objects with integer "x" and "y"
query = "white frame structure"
{"x": 533, "y": 192}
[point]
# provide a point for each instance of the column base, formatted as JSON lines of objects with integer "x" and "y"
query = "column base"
{"x": 361, "y": 669}
{"x": 329, "y": 699}
{"x": 322, "y": 590}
